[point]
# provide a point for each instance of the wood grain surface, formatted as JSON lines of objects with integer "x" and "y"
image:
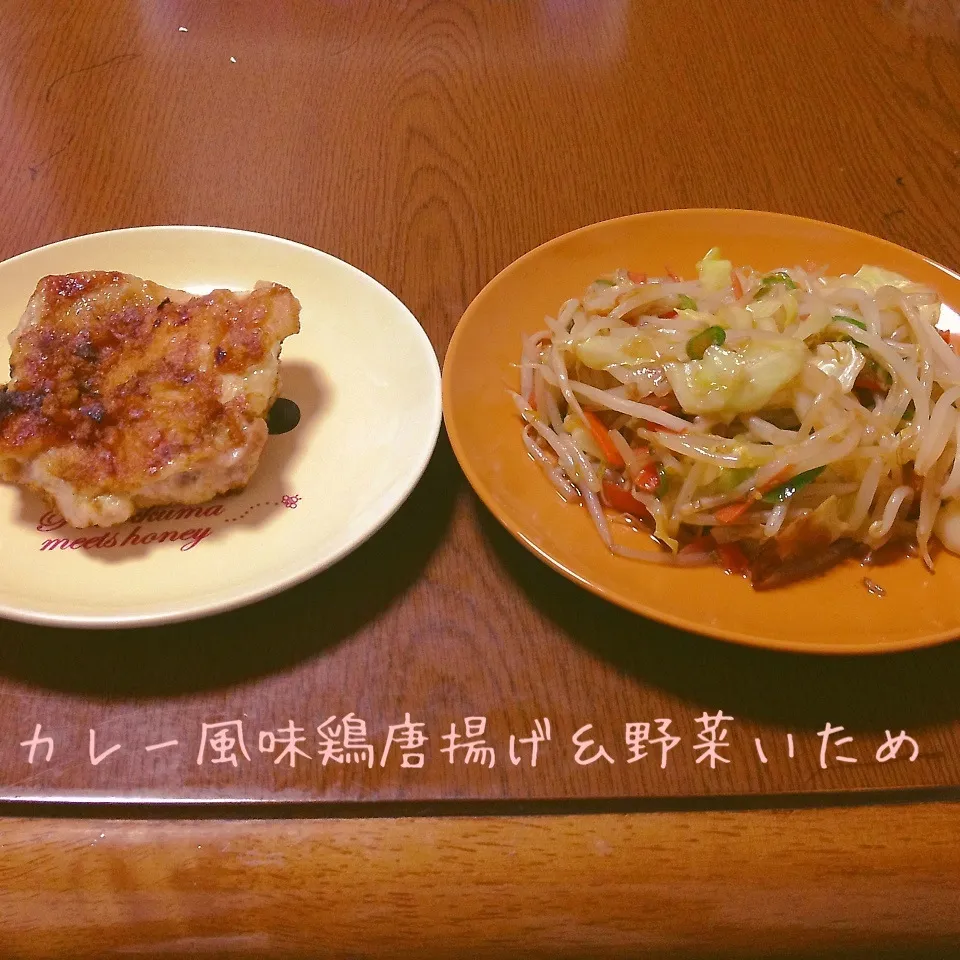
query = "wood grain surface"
{"x": 656, "y": 885}
{"x": 430, "y": 143}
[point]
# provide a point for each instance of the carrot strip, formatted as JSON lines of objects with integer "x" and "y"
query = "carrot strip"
{"x": 648, "y": 478}
{"x": 950, "y": 339}
{"x": 659, "y": 427}
{"x": 600, "y": 433}
{"x": 732, "y": 512}
{"x": 624, "y": 501}
{"x": 637, "y": 277}
{"x": 868, "y": 381}
{"x": 733, "y": 559}
{"x": 736, "y": 284}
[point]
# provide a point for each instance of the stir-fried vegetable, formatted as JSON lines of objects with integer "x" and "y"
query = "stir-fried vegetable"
{"x": 788, "y": 489}
{"x": 624, "y": 501}
{"x": 740, "y": 380}
{"x": 772, "y": 279}
{"x": 770, "y": 421}
{"x": 602, "y": 436}
{"x": 844, "y": 319}
{"x": 711, "y": 337}
{"x": 732, "y": 512}
{"x": 650, "y": 477}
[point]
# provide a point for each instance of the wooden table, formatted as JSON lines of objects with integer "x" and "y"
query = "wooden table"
{"x": 430, "y": 144}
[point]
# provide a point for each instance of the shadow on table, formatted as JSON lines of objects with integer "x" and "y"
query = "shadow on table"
{"x": 914, "y": 688}
{"x": 253, "y": 641}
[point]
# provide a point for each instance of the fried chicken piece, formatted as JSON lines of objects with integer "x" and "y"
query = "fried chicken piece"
{"x": 125, "y": 394}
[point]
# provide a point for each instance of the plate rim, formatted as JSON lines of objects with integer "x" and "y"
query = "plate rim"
{"x": 247, "y": 598}
{"x": 486, "y": 496}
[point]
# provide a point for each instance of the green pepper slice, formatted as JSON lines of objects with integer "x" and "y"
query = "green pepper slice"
{"x": 846, "y": 319}
{"x": 771, "y": 279}
{"x": 698, "y": 344}
{"x": 788, "y": 489}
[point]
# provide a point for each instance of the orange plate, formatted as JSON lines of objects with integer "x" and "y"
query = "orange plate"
{"x": 832, "y": 614}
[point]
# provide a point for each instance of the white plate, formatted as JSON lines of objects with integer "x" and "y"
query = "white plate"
{"x": 366, "y": 380}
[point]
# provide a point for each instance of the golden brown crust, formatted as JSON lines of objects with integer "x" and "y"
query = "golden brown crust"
{"x": 124, "y": 380}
